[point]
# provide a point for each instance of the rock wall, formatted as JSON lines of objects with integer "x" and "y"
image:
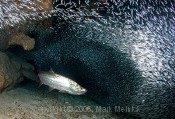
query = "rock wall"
{"x": 13, "y": 70}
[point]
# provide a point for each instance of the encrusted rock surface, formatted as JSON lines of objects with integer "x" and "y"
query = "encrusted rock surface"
{"x": 8, "y": 73}
{"x": 20, "y": 39}
{"x": 11, "y": 71}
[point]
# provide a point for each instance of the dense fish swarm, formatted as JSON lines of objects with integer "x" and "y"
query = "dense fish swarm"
{"x": 14, "y": 12}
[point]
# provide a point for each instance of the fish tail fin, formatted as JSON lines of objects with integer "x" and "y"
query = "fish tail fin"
{"x": 40, "y": 83}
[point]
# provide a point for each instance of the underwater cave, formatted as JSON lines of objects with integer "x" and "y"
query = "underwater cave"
{"x": 87, "y": 59}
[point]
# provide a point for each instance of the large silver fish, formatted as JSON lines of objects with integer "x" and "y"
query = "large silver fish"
{"x": 61, "y": 83}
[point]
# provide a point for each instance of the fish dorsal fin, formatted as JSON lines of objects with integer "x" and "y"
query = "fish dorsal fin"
{"x": 51, "y": 70}
{"x": 40, "y": 84}
{"x": 51, "y": 89}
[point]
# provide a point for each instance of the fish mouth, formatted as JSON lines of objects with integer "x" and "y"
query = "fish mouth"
{"x": 83, "y": 92}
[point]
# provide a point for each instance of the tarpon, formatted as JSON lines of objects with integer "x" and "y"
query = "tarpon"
{"x": 61, "y": 83}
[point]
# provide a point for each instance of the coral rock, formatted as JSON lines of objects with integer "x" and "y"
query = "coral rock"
{"x": 12, "y": 71}
{"x": 20, "y": 39}
{"x": 7, "y": 72}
